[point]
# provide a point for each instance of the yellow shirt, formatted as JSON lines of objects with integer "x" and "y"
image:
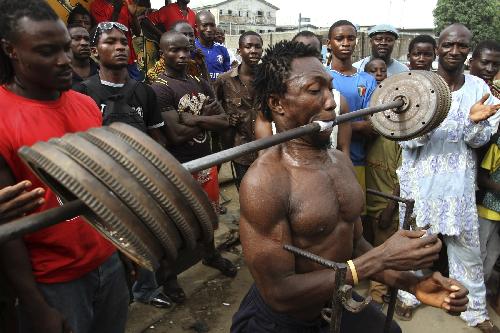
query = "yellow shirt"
{"x": 382, "y": 161}
{"x": 491, "y": 162}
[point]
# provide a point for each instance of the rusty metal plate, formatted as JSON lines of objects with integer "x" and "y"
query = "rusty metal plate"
{"x": 427, "y": 101}
{"x": 130, "y": 159}
{"x": 109, "y": 215}
{"x": 175, "y": 172}
{"x": 125, "y": 187}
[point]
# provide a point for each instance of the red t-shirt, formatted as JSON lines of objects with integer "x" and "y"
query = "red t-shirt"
{"x": 71, "y": 249}
{"x": 101, "y": 11}
{"x": 170, "y": 14}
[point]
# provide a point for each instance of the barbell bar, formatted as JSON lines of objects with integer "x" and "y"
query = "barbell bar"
{"x": 76, "y": 207}
{"x": 75, "y": 174}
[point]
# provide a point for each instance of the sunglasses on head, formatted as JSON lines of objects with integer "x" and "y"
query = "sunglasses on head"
{"x": 105, "y": 26}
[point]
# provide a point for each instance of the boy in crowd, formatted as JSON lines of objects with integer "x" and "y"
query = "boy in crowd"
{"x": 81, "y": 16}
{"x": 485, "y": 63}
{"x": 341, "y": 134}
{"x": 377, "y": 68}
{"x": 190, "y": 110}
{"x": 235, "y": 92}
{"x": 357, "y": 88}
{"x": 422, "y": 52}
{"x": 216, "y": 55}
{"x": 124, "y": 12}
{"x": 489, "y": 218}
{"x": 220, "y": 37}
{"x": 67, "y": 277}
{"x": 82, "y": 64}
{"x": 196, "y": 66}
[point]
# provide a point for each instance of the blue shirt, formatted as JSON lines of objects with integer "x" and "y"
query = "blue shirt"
{"x": 216, "y": 58}
{"x": 357, "y": 89}
{"x": 439, "y": 169}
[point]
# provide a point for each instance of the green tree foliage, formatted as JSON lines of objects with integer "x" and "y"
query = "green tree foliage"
{"x": 482, "y": 17}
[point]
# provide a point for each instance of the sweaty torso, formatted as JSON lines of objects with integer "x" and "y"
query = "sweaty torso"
{"x": 325, "y": 201}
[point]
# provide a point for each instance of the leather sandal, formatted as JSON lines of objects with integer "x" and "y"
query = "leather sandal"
{"x": 487, "y": 327}
{"x": 403, "y": 311}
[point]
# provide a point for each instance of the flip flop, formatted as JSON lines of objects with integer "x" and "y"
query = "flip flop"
{"x": 403, "y": 312}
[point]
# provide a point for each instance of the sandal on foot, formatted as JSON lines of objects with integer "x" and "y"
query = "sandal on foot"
{"x": 487, "y": 327}
{"x": 224, "y": 265}
{"x": 173, "y": 290}
{"x": 403, "y": 312}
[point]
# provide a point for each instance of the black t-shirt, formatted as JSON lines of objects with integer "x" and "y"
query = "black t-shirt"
{"x": 175, "y": 95}
{"x": 146, "y": 108}
{"x": 94, "y": 69}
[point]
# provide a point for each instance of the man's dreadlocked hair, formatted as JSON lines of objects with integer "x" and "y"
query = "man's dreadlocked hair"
{"x": 10, "y": 13}
{"x": 272, "y": 73}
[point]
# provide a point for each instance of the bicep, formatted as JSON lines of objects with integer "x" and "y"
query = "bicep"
{"x": 264, "y": 229}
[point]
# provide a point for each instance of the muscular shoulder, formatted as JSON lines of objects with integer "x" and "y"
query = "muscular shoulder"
{"x": 340, "y": 160}
{"x": 266, "y": 180}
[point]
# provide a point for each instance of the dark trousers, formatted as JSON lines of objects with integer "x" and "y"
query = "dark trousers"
{"x": 255, "y": 316}
{"x": 95, "y": 303}
{"x": 240, "y": 171}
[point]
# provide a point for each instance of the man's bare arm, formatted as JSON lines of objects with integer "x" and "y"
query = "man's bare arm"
{"x": 158, "y": 134}
{"x": 209, "y": 123}
{"x": 176, "y": 132}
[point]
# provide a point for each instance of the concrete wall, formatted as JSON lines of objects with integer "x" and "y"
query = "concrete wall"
{"x": 362, "y": 47}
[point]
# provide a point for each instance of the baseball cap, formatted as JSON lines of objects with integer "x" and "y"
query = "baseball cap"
{"x": 383, "y": 28}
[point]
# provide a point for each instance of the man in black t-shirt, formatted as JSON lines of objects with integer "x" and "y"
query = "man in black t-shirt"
{"x": 109, "y": 45}
{"x": 115, "y": 93}
{"x": 81, "y": 62}
{"x": 190, "y": 110}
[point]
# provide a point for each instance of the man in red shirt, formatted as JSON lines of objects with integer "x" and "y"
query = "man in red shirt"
{"x": 66, "y": 277}
{"x": 124, "y": 12}
{"x": 167, "y": 15}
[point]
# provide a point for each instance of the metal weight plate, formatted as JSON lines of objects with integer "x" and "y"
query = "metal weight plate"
{"x": 427, "y": 100}
{"x": 109, "y": 215}
{"x": 131, "y": 160}
{"x": 125, "y": 187}
{"x": 175, "y": 172}
{"x": 444, "y": 92}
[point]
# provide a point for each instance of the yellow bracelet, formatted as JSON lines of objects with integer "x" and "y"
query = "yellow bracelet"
{"x": 353, "y": 272}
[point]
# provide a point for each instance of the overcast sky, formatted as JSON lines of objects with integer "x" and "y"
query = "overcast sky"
{"x": 401, "y": 13}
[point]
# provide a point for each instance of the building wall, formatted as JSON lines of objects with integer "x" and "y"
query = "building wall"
{"x": 243, "y": 15}
{"x": 362, "y": 48}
